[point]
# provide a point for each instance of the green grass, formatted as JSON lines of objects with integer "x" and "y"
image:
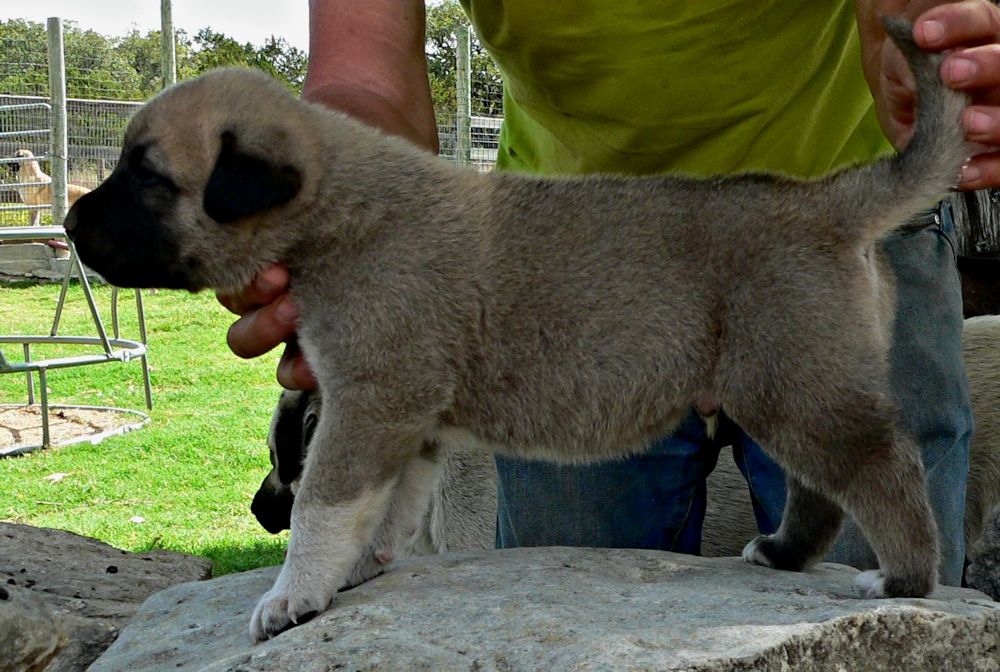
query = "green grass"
{"x": 190, "y": 473}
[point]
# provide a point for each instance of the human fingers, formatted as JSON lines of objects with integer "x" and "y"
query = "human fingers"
{"x": 259, "y": 330}
{"x": 896, "y": 97}
{"x": 269, "y": 284}
{"x": 293, "y": 371}
{"x": 981, "y": 172}
{"x": 957, "y": 24}
{"x": 973, "y": 69}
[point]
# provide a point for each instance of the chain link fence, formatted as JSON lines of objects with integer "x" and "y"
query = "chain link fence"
{"x": 98, "y": 109}
{"x": 469, "y": 129}
{"x": 95, "y": 120}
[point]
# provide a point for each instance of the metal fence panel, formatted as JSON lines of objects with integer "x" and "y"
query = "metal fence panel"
{"x": 96, "y": 123}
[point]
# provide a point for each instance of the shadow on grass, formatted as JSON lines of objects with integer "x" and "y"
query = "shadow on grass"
{"x": 230, "y": 557}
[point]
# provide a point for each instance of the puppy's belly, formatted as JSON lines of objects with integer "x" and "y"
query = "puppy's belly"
{"x": 573, "y": 446}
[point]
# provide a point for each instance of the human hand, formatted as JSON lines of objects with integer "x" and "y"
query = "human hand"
{"x": 968, "y": 31}
{"x": 268, "y": 318}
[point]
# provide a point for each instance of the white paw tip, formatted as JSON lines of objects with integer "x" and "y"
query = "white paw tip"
{"x": 870, "y": 584}
{"x": 753, "y": 555}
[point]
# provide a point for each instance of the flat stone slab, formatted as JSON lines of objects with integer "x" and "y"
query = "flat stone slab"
{"x": 571, "y": 609}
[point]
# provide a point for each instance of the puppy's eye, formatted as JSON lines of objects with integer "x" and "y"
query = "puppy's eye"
{"x": 148, "y": 178}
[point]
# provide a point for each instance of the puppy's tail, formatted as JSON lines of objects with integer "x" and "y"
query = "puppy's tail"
{"x": 929, "y": 166}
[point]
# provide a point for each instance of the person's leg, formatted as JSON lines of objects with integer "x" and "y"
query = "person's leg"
{"x": 653, "y": 500}
{"x": 928, "y": 379}
{"x": 764, "y": 478}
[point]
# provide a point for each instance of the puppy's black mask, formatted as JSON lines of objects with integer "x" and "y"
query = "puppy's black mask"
{"x": 119, "y": 228}
{"x": 123, "y": 229}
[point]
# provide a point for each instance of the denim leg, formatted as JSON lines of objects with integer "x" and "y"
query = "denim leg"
{"x": 653, "y": 500}
{"x": 928, "y": 378}
{"x": 765, "y": 479}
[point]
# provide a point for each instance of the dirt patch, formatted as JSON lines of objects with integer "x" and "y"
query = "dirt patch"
{"x": 21, "y": 425}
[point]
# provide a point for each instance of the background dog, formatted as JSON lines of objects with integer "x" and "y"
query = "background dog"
{"x": 39, "y": 191}
{"x": 564, "y": 319}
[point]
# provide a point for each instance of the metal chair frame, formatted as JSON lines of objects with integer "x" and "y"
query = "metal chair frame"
{"x": 111, "y": 348}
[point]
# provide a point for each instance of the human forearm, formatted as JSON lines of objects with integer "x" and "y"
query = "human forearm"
{"x": 367, "y": 59}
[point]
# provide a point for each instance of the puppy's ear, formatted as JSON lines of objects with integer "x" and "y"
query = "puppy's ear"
{"x": 242, "y": 184}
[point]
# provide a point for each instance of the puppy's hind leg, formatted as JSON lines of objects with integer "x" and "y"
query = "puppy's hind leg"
{"x": 872, "y": 471}
{"x": 809, "y": 526}
{"x": 888, "y": 500}
{"x": 403, "y": 530}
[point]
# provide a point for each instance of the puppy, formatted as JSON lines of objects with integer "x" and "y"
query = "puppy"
{"x": 462, "y": 510}
{"x": 37, "y": 186}
{"x": 292, "y": 426}
{"x": 566, "y": 319}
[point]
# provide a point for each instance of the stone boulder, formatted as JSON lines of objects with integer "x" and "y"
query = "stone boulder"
{"x": 90, "y": 589}
{"x": 570, "y": 608}
{"x": 30, "y": 634}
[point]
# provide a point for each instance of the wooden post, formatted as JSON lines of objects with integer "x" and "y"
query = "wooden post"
{"x": 168, "y": 51}
{"x": 57, "y": 93}
{"x": 463, "y": 89}
{"x": 977, "y": 221}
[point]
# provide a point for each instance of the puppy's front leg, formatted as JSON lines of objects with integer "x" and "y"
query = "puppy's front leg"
{"x": 326, "y": 541}
{"x": 347, "y": 482}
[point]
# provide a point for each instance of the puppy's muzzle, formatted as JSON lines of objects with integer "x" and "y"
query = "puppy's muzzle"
{"x": 272, "y": 506}
{"x": 129, "y": 244}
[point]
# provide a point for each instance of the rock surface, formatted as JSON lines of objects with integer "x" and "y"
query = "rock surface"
{"x": 570, "y": 609}
{"x": 92, "y": 589}
{"x": 30, "y": 634}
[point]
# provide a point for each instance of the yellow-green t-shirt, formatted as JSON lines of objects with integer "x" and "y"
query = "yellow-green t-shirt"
{"x": 692, "y": 86}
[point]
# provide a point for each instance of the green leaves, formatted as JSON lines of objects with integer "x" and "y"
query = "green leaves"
{"x": 128, "y": 67}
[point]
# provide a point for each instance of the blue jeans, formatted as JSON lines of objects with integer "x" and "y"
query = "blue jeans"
{"x": 657, "y": 499}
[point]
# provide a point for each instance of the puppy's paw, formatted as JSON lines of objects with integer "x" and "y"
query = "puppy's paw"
{"x": 870, "y": 584}
{"x": 876, "y": 583}
{"x": 384, "y": 556}
{"x": 281, "y": 609}
{"x": 754, "y": 553}
{"x": 774, "y": 552}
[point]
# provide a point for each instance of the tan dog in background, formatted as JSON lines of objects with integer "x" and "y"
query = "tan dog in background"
{"x": 39, "y": 191}
{"x": 571, "y": 320}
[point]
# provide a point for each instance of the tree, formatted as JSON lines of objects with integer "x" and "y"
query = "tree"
{"x": 23, "y": 58}
{"x": 144, "y": 54}
{"x": 128, "y": 67}
{"x": 94, "y": 67}
{"x": 277, "y": 58}
{"x": 443, "y": 21}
